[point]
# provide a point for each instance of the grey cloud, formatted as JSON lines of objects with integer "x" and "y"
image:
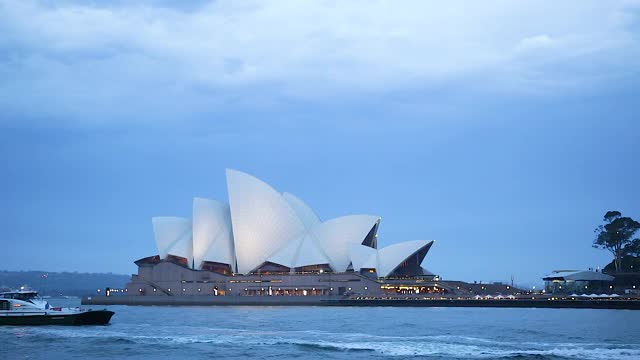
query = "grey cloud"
{"x": 85, "y": 59}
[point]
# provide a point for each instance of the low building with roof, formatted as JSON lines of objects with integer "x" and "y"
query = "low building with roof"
{"x": 578, "y": 282}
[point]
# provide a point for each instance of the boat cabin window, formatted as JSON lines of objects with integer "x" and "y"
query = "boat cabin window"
{"x": 4, "y": 305}
{"x": 24, "y": 296}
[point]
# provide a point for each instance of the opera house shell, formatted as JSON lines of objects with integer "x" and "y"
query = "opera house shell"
{"x": 262, "y": 231}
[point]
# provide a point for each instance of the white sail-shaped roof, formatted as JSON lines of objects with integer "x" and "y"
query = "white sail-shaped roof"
{"x": 302, "y": 251}
{"x": 173, "y": 236}
{"x": 336, "y": 235}
{"x": 390, "y": 257}
{"x": 310, "y": 253}
{"x": 304, "y": 212}
{"x": 261, "y": 218}
{"x": 212, "y": 235}
{"x": 286, "y": 255}
{"x": 260, "y": 224}
{"x": 363, "y": 257}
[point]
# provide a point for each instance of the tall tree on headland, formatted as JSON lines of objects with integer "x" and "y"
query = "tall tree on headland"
{"x": 616, "y": 236}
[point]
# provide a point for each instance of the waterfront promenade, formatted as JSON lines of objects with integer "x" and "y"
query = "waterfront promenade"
{"x": 536, "y": 302}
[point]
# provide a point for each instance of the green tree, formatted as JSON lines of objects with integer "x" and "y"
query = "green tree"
{"x": 616, "y": 235}
{"x": 633, "y": 248}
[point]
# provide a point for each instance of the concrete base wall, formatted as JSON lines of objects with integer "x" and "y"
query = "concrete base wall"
{"x": 518, "y": 303}
{"x": 205, "y": 300}
{"x": 334, "y": 301}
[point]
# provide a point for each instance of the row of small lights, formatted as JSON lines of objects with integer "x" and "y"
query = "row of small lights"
{"x": 199, "y": 289}
{"x": 296, "y": 289}
{"x": 483, "y": 288}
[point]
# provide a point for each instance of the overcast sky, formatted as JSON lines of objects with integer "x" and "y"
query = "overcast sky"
{"x": 503, "y": 130}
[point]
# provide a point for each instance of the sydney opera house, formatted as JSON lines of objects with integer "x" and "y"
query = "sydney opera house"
{"x": 267, "y": 243}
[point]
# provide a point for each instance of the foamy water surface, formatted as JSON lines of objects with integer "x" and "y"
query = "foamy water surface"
{"x": 335, "y": 333}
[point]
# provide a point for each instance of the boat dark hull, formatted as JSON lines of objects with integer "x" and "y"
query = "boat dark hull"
{"x": 92, "y": 317}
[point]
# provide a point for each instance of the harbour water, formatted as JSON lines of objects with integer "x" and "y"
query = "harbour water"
{"x": 334, "y": 333}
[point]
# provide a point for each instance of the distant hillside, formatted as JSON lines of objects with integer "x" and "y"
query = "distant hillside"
{"x": 61, "y": 283}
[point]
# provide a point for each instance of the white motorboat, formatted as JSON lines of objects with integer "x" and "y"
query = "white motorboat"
{"x": 25, "y": 307}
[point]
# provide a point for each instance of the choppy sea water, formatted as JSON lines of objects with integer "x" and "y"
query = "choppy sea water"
{"x": 334, "y": 333}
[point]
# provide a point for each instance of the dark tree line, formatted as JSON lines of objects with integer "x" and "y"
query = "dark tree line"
{"x": 617, "y": 236}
